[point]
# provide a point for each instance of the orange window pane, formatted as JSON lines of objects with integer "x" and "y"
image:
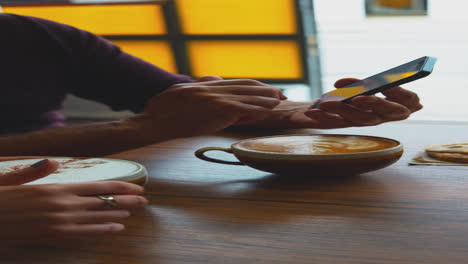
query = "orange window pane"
{"x": 156, "y": 52}
{"x": 102, "y": 19}
{"x": 395, "y": 3}
{"x": 237, "y": 16}
{"x": 246, "y": 59}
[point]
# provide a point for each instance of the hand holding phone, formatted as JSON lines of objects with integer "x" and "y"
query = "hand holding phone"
{"x": 402, "y": 74}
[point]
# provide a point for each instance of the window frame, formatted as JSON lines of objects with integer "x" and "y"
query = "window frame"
{"x": 177, "y": 39}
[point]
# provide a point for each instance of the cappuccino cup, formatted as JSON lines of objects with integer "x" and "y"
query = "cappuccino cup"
{"x": 312, "y": 154}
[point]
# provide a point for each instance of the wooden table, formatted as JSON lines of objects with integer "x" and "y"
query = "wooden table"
{"x": 203, "y": 212}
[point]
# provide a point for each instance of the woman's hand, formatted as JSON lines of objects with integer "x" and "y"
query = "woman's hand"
{"x": 36, "y": 171}
{"x": 208, "y": 105}
{"x": 398, "y": 104}
{"x": 59, "y": 210}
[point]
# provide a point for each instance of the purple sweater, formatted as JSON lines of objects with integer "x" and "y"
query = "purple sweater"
{"x": 42, "y": 61}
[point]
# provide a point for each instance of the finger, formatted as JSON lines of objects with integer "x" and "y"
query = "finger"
{"x": 248, "y": 82}
{"x": 327, "y": 120}
{"x": 244, "y": 111}
{"x": 351, "y": 114}
{"x": 89, "y": 228}
{"x": 261, "y": 101}
{"x": 122, "y": 202}
{"x": 404, "y": 97}
{"x": 20, "y": 158}
{"x": 104, "y": 187}
{"x": 249, "y": 90}
{"x": 345, "y": 81}
{"x": 36, "y": 171}
{"x": 245, "y": 82}
{"x": 387, "y": 110}
{"x": 209, "y": 78}
{"x": 92, "y": 217}
{"x": 84, "y": 203}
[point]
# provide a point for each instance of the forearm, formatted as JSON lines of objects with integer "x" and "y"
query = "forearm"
{"x": 95, "y": 139}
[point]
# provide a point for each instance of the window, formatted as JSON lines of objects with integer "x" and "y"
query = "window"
{"x": 396, "y": 7}
{"x": 197, "y": 37}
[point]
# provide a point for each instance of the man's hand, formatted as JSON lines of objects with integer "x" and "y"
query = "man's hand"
{"x": 398, "y": 104}
{"x": 208, "y": 105}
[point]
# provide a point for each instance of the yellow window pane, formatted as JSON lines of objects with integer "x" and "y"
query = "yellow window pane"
{"x": 156, "y": 52}
{"x": 102, "y": 19}
{"x": 247, "y": 59}
{"x": 237, "y": 16}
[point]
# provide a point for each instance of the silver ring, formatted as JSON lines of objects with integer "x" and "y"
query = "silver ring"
{"x": 109, "y": 200}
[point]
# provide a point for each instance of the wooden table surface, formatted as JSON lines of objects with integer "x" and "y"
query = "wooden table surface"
{"x": 201, "y": 212}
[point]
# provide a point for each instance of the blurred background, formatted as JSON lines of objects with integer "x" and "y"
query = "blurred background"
{"x": 300, "y": 46}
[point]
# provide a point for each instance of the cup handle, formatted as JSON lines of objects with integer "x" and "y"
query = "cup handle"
{"x": 201, "y": 155}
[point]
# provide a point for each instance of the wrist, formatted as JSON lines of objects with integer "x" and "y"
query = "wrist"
{"x": 144, "y": 126}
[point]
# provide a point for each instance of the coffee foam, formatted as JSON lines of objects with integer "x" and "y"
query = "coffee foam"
{"x": 316, "y": 144}
{"x": 82, "y": 170}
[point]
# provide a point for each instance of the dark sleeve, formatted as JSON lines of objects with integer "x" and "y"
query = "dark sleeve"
{"x": 90, "y": 66}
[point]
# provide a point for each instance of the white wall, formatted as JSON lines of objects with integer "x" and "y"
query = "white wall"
{"x": 355, "y": 46}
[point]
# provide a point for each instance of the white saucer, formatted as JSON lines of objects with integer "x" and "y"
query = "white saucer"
{"x": 72, "y": 170}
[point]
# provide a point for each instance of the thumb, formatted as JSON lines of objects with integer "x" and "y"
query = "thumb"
{"x": 209, "y": 78}
{"x": 36, "y": 171}
{"x": 345, "y": 81}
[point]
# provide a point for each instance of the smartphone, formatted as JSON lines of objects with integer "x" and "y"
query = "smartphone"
{"x": 404, "y": 73}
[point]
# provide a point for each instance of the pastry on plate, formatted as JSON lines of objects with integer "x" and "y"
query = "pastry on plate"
{"x": 457, "y": 152}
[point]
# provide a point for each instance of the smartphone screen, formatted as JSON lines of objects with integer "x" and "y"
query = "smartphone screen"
{"x": 385, "y": 80}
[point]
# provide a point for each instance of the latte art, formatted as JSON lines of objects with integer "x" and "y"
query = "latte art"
{"x": 316, "y": 144}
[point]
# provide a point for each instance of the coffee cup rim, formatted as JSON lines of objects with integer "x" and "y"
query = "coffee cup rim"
{"x": 314, "y": 156}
